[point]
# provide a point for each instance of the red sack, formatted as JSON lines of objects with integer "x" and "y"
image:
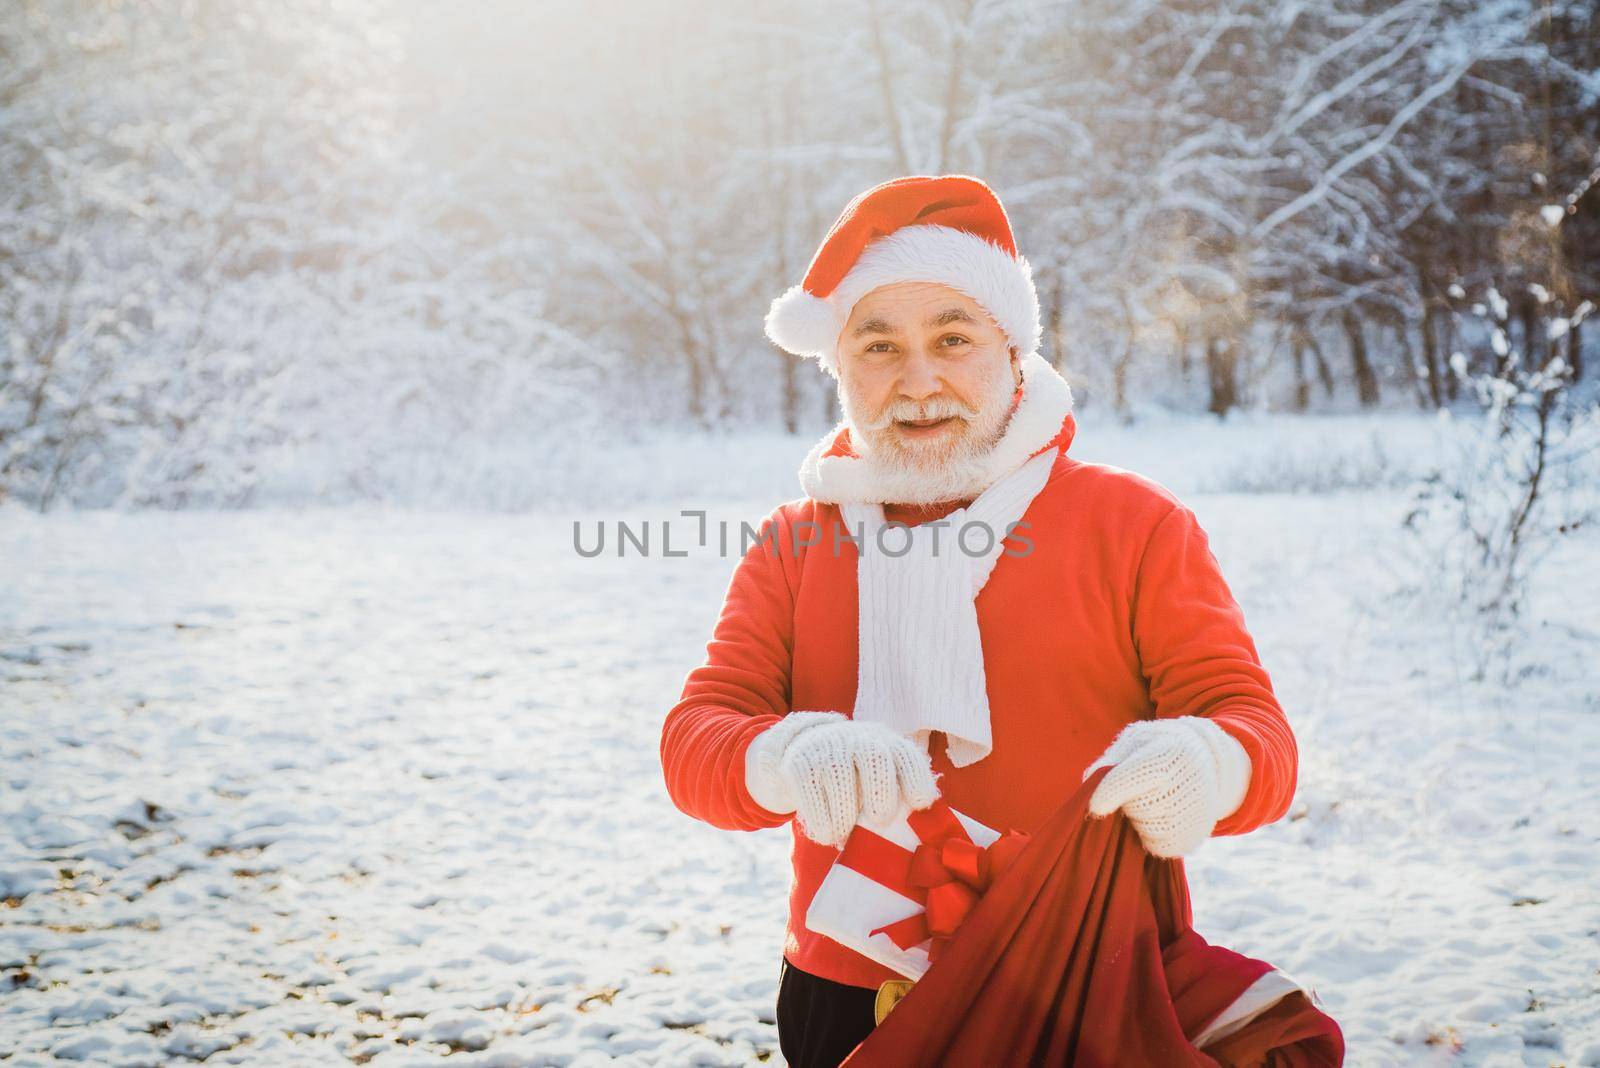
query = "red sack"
{"x": 1082, "y": 955}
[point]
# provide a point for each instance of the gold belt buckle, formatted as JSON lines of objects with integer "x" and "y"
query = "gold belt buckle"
{"x": 889, "y": 994}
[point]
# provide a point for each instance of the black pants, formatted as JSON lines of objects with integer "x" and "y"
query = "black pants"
{"x": 820, "y": 1021}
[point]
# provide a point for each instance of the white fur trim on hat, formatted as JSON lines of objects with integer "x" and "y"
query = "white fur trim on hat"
{"x": 808, "y": 325}
{"x": 801, "y": 323}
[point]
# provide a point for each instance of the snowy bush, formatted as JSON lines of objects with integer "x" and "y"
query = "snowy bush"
{"x": 1522, "y": 477}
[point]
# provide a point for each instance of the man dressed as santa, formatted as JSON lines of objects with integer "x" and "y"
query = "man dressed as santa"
{"x": 957, "y": 607}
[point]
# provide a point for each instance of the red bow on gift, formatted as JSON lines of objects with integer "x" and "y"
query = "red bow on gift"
{"x": 946, "y": 874}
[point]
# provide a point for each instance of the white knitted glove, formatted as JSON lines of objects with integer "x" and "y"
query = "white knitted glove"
{"x": 1173, "y": 779}
{"x": 832, "y": 771}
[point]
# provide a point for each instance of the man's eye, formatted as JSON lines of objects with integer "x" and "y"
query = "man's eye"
{"x": 953, "y": 338}
{"x": 880, "y": 346}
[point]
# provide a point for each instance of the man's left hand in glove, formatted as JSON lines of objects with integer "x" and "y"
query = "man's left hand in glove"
{"x": 1173, "y": 779}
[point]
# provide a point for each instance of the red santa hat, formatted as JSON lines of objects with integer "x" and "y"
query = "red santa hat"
{"x": 949, "y": 229}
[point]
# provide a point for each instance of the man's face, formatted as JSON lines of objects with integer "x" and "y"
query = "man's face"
{"x": 926, "y": 377}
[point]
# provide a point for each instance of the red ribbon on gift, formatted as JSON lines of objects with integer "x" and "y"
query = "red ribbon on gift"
{"x": 946, "y": 874}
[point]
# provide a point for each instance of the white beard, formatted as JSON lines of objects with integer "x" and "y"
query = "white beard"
{"x": 959, "y": 479}
{"x": 941, "y": 471}
{"x": 849, "y": 477}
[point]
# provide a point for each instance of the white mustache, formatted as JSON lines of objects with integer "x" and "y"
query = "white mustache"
{"x": 908, "y": 410}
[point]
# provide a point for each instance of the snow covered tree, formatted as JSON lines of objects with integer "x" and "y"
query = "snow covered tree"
{"x": 327, "y": 251}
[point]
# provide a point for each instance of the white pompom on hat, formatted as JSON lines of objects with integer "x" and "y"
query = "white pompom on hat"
{"x": 949, "y": 229}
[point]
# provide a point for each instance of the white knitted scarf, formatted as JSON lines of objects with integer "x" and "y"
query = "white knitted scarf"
{"x": 921, "y": 656}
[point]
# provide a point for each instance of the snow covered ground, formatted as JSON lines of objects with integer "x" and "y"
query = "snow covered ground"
{"x": 381, "y": 787}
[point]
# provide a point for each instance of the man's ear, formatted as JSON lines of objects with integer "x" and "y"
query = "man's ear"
{"x": 1016, "y": 365}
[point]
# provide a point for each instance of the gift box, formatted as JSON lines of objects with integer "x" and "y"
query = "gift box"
{"x": 899, "y": 890}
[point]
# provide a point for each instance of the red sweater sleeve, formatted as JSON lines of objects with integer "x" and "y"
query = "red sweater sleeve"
{"x": 1199, "y": 660}
{"x": 740, "y": 690}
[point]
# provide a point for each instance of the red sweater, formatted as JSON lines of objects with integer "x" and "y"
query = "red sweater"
{"x": 1118, "y": 612}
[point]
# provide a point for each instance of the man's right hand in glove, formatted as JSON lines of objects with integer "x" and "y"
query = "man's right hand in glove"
{"x": 832, "y": 771}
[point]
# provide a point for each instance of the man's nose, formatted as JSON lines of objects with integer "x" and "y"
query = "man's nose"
{"x": 920, "y": 379}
